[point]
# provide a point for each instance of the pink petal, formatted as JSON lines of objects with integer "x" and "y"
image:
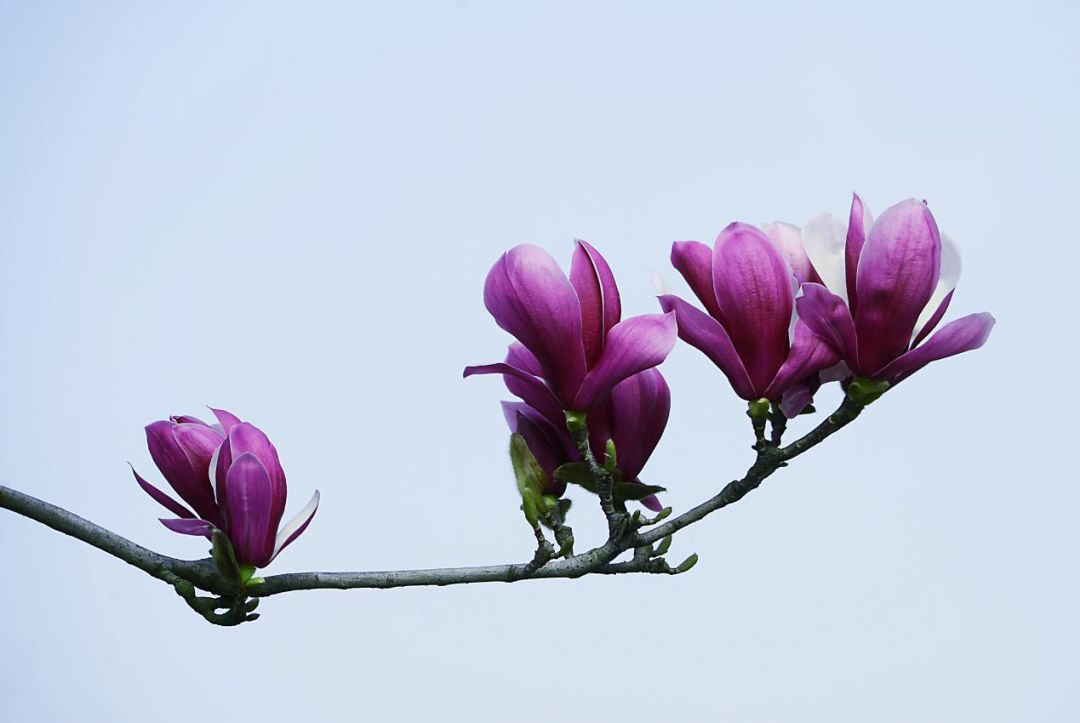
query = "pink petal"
{"x": 246, "y": 438}
{"x": 161, "y": 498}
{"x": 827, "y": 316}
{"x": 525, "y": 386}
{"x": 633, "y": 345}
{"x": 227, "y": 420}
{"x": 640, "y": 407}
{"x": 251, "y": 501}
{"x": 187, "y": 526}
{"x": 809, "y": 354}
{"x": 753, "y": 286}
{"x": 706, "y": 334}
{"x": 965, "y": 334}
{"x": 694, "y": 260}
{"x": 898, "y": 269}
{"x": 598, "y": 295}
{"x": 530, "y": 297}
{"x": 859, "y": 223}
{"x": 789, "y": 241}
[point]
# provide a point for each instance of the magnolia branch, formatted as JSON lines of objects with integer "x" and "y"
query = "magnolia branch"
{"x": 626, "y": 533}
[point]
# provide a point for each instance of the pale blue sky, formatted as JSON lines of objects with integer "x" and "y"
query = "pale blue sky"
{"x": 288, "y": 210}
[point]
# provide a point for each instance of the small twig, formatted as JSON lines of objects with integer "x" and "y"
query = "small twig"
{"x": 778, "y": 422}
{"x": 604, "y": 479}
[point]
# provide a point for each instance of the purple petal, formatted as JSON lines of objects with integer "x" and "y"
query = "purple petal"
{"x": 163, "y": 499}
{"x": 550, "y": 448}
{"x": 524, "y": 385}
{"x": 199, "y": 442}
{"x": 640, "y": 408}
{"x": 187, "y": 419}
{"x": 598, "y": 295}
{"x": 633, "y": 345}
{"x": 859, "y": 222}
{"x": 827, "y": 316}
{"x": 795, "y": 399}
{"x": 296, "y": 525}
{"x": 789, "y": 241}
{"x": 838, "y": 372}
{"x": 965, "y": 334}
{"x": 935, "y": 309}
{"x": 251, "y": 500}
{"x": 753, "y": 286}
{"x": 705, "y": 333}
{"x": 190, "y": 482}
{"x": 227, "y": 420}
{"x": 531, "y": 298}
{"x": 199, "y": 528}
{"x": 246, "y": 438}
{"x": 932, "y": 321}
{"x": 694, "y": 260}
{"x": 898, "y": 270}
{"x": 518, "y": 356}
{"x": 652, "y": 502}
{"x": 809, "y": 354}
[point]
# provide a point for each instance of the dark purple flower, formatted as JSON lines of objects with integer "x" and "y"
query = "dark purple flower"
{"x": 747, "y": 284}
{"x": 634, "y": 418}
{"x": 230, "y": 476}
{"x": 578, "y": 348}
{"x": 885, "y": 287}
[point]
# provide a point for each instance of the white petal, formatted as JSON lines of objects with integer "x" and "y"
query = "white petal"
{"x": 660, "y": 284}
{"x": 947, "y": 280}
{"x": 296, "y": 522}
{"x": 213, "y": 471}
{"x": 825, "y": 237}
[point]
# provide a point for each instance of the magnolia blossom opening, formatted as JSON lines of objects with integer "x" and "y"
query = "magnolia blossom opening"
{"x": 747, "y": 283}
{"x": 884, "y": 286}
{"x": 230, "y": 476}
{"x": 575, "y": 353}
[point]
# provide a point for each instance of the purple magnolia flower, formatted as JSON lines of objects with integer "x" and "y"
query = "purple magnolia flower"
{"x": 884, "y": 288}
{"x": 574, "y": 349}
{"x": 229, "y": 474}
{"x": 633, "y": 418}
{"x": 747, "y": 284}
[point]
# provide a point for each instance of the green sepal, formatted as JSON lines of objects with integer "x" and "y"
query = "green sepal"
{"x": 636, "y": 490}
{"x": 246, "y": 573}
{"x": 758, "y": 409}
{"x": 564, "y": 536}
{"x": 610, "y": 460}
{"x": 551, "y": 504}
{"x": 664, "y": 546}
{"x": 662, "y": 515}
{"x": 530, "y": 507}
{"x": 687, "y": 564}
{"x": 527, "y": 471}
{"x": 578, "y": 473}
{"x": 225, "y": 558}
{"x": 575, "y": 421}
{"x": 865, "y": 391}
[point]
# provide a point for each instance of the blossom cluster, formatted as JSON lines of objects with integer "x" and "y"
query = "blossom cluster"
{"x": 783, "y": 310}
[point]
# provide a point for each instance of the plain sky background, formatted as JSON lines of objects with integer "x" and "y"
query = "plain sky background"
{"x": 288, "y": 210}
